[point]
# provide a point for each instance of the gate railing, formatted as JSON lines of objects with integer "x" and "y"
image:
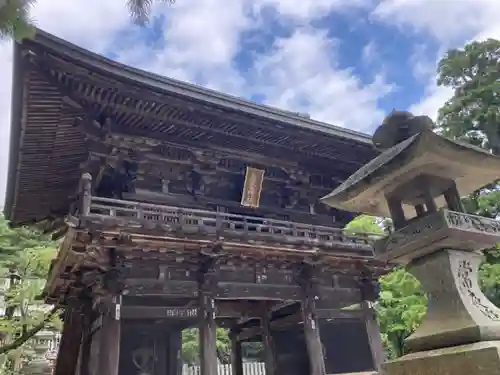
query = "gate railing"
{"x": 187, "y": 221}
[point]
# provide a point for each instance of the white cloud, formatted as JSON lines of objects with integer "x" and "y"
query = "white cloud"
{"x": 448, "y": 21}
{"x": 308, "y": 9}
{"x": 301, "y": 74}
{"x": 369, "y": 53}
{"x": 434, "y": 98}
{"x": 451, "y": 23}
{"x": 91, "y": 24}
{"x": 198, "y": 42}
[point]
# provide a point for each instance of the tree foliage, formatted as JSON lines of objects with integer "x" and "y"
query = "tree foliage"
{"x": 473, "y": 112}
{"x": 25, "y": 257}
{"x": 16, "y": 23}
{"x": 140, "y": 10}
{"x": 472, "y": 115}
{"x": 14, "y": 19}
{"x": 191, "y": 346}
{"x": 401, "y": 304}
{"x": 400, "y": 308}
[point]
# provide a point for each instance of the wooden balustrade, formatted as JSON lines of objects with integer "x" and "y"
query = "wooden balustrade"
{"x": 225, "y": 225}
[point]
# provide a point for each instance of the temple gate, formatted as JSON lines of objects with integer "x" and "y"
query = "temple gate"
{"x": 181, "y": 207}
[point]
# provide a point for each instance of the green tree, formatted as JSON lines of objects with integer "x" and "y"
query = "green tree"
{"x": 473, "y": 112}
{"x": 400, "y": 308}
{"x": 25, "y": 256}
{"x": 14, "y": 19}
{"x": 401, "y": 304}
{"x": 365, "y": 224}
{"x": 16, "y": 23}
{"x": 472, "y": 115}
{"x": 140, "y": 10}
{"x": 191, "y": 346}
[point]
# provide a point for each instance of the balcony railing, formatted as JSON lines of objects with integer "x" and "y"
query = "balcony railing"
{"x": 187, "y": 222}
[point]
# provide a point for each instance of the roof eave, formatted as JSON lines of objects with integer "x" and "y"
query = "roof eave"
{"x": 192, "y": 91}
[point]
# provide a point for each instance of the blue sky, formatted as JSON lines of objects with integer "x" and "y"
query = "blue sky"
{"x": 345, "y": 62}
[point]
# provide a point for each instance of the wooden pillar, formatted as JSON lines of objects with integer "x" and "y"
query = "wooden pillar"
{"x": 86, "y": 340}
{"x": 109, "y": 347}
{"x": 174, "y": 364}
{"x": 236, "y": 354}
{"x": 311, "y": 329}
{"x": 267, "y": 339}
{"x": 207, "y": 327}
{"x": 69, "y": 348}
{"x": 206, "y": 317}
{"x": 374, "y": 337}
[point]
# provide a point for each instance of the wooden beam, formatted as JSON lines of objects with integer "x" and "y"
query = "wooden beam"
{"x": 159, "y": 312}
{"x": 223, "y": 309}
{"x": 235, "y": 290}
{"x": 295, "y": 319}
{"x": 231, "y": 290}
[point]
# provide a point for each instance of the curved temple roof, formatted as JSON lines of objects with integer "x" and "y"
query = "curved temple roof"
{"x": 56, "y": 82}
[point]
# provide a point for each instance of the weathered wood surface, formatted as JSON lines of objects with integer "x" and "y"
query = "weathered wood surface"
{"x": 207, "y": 328}
{"x": 69, "y": 347}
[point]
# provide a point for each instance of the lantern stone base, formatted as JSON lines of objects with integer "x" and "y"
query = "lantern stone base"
{"x": 481, "y": 358}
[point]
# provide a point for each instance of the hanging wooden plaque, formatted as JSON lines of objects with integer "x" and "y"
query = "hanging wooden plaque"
{"x": 252, "y": 188}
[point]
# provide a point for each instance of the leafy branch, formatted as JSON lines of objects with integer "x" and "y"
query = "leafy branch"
{"x": 28, "y": 334}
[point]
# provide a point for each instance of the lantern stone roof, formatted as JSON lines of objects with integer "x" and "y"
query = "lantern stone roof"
{"x": 421, "y": 153}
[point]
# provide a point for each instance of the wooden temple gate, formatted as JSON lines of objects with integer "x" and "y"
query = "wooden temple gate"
{"x": 162, "y": 230}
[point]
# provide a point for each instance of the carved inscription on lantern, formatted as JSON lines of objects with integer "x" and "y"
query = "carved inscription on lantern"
{"x": 465, "y": 273}
{"x": 472, "y": 223}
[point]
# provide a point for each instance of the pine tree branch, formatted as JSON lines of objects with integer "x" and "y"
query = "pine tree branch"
{"x": 29, "y": 333}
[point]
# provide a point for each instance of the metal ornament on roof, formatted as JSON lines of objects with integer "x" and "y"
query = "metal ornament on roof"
{"x": 418, "y": 180}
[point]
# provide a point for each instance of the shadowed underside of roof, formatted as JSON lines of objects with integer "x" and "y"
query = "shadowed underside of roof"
{"x": 56, "y": 83}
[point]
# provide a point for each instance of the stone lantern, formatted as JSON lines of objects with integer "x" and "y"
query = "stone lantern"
{"x": 418, "y": 180}
{"x": 40, "y": 364}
